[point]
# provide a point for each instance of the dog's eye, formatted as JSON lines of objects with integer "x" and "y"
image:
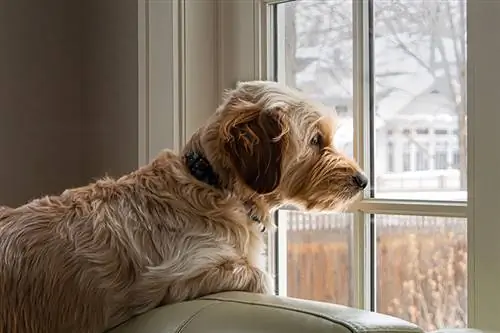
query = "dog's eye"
{"x": 317, "y": 140}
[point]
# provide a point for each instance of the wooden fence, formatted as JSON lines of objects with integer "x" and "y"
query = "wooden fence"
{"x": 421, "y": 265}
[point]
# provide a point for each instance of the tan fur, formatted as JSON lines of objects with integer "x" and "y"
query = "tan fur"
{"x": 94, "y": 256}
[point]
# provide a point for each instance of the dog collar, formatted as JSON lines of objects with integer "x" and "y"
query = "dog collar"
{"x": 201, "y": 169}
{"x": 261, "y": 225}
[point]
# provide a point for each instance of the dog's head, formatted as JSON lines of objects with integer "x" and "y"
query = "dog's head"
{"x": 275, "y": 142}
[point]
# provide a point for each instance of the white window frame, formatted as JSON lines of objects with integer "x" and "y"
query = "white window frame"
{"x": 188, "y": 55}
{"x": 178, "y": 71}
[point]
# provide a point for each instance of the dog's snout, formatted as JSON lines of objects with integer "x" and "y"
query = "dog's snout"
{"x": 360, "y": 179}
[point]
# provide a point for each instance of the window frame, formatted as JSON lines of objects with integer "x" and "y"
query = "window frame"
{"x": 174, "y": 49}
{"x": 179, "y": 70}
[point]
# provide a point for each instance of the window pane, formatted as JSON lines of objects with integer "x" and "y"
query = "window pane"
{"x": 419, "y": 49}
{"x": 314, "y": 50}
{"x": 422, "y": 270}
{"x": 319, "y": 254}
{"x": 315, "y": 54}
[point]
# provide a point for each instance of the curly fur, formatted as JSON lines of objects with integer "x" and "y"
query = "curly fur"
{"x": 92, "y": 257}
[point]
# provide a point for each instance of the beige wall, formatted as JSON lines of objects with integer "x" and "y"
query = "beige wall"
{"x": 68, "y": 94}
{"x": 110, "y": 86}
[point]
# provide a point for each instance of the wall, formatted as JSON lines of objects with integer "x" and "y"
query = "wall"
{"x": 110, "y": 87}
{"x": 40, "y": 97}
{"x": 68, "y": 94}
{"x": 201, "y": 67}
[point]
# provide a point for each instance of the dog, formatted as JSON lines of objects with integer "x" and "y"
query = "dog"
{"x": 181, "y": 227}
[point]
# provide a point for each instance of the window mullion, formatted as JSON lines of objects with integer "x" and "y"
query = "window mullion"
{"x": 483, "y": 162}
{"x": 363, "y": 230}
{"x": 361, "y": 240}
{"x": 412, "y": 207}
{"x": 281, "y": 254}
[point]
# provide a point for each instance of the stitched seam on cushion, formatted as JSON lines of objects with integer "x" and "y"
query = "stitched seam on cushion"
{"x": 351, "y": 326}
{"x": 186, "y": 322}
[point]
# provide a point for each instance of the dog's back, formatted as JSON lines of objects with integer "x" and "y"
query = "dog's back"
{"x": 45, "y": 285}
{"x": 68, "y": 261}
{"x": 76, "y": 262}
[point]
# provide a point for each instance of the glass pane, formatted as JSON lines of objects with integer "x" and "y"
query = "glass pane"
{"x": 422, "y": 270}
{"x": 318, "y": 257}
{"x": 420, "y": 113}
{"x": 315, "y": 54}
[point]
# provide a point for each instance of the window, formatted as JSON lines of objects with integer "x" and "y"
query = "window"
{"x": 422, "y": 131}
{"x": 390, "y": 157}
{"x": 422, "y": 269}
{"x": 318, "y": 239}
{"x": 422, "y": 157}
{"x": 461, "y": 217}
{"x": 456, "y": 159}
{"x": 342, "y": 110}
{"x": 410, "y": 51}
{"x": 409, "y": 59}
{"x": 440, "y": 132}
{"x": 441, "y": 156}
{"x": 407, "y": 156}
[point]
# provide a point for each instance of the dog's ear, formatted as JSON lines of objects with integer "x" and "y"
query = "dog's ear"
{"x": 256, "y": 142}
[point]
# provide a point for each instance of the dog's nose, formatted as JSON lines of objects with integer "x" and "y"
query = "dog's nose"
{"x": 360, "y": 179}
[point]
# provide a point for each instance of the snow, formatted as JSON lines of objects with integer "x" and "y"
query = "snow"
{"x": 424, "y": 195}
